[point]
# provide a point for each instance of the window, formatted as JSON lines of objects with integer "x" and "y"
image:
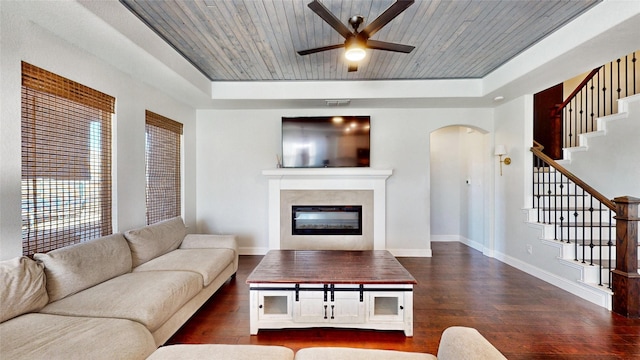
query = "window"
{"x": 66, "y": 161}
{"x": 162, "y": 167}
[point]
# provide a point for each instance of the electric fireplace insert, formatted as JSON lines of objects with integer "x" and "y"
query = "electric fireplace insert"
{"x": 326, "y": 220}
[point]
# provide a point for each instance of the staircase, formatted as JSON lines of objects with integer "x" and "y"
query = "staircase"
{"x": 573, "y": 217}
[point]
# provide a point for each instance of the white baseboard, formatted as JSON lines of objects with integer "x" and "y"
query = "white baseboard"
{"x": 448, "y": 238}
{"x": 252, "y": 251}
{"x": 410, "y": 252}
{"x": 601, "y": 298}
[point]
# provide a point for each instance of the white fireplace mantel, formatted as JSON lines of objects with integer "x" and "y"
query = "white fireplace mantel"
{"x": 328, "y": 179}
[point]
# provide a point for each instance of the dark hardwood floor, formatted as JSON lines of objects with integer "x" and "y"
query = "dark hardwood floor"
{"x": 524, "y": 317}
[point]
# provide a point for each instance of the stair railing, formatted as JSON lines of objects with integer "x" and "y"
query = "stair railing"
{"x": 596, "y": 96}
{"x": 559, "y": 197}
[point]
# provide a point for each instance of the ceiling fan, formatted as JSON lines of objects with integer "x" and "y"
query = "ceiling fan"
{"x": 356, "y": 41}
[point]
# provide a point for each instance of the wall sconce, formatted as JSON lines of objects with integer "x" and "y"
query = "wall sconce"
{"x": 500, "y": 150}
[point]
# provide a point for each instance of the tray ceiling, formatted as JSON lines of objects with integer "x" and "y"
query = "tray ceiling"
{"x": 257, "y": 40}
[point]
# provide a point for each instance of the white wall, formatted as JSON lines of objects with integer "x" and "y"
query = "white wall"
{"x": 239, "y": 144}
{"x": 611, "y": 163}
{"x": 23, "y": 39}
{"x": 513, "y": 193}
{"x": 446, "y": 177}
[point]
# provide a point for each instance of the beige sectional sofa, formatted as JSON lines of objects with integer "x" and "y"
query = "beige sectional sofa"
{"x": 456, "y": 343}
{"x": 116, "y": 297}
{"x": 123, "y": 295}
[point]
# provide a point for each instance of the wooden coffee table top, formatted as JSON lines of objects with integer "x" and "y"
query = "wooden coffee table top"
{"x": 330, "y": 266}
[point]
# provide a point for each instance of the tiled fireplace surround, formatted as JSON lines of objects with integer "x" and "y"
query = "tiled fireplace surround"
{"x": 327, "y": 186}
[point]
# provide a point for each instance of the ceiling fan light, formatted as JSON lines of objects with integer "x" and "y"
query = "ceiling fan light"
{"x": 355, "y": 54}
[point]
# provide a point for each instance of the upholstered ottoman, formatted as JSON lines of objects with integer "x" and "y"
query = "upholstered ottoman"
{"x": 220, "y": 351}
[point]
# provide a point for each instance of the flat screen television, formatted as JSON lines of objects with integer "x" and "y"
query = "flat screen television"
{"x": 325, "y": 141}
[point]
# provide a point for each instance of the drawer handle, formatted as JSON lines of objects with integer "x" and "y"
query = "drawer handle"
{"x": 325, "y": 311}
{"x": 332, "y": 306}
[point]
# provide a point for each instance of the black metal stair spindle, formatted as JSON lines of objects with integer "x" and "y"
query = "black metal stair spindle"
{"x": 580, "y": 118}
{"x": 591, "y": 245}
{"x": 549, "y": 196}
{"x": 611, "y": 87}
{"x": 569, "y": 123}
{"x": 575, "y": 221}
{"x": 536, "y": 183}
{"x": 592, "y": 113}
{"x": 626, "y": 75}
{"x": 633, "y": 61}
{"x": 619, "y": 88}
{"x": 600, "y": 260}
{"x": 583, "y": 227}
{"x": 544, "y": 198}
{"x": 555, "y": 204}
{"x": 610, "y": 244}
{"x": 561, "y": 206}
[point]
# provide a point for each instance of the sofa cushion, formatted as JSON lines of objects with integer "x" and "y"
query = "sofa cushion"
{"x": 209, "y": 263}
{"x": 151, "y": 241}
{"x": 74, "y": 268}
{"x": 23, "y": 287}
{"x": 220, "y": 351}
{"x": 41, "y": 336}
{"x": 322, "y": 353}
{"x": 148, "y": 297}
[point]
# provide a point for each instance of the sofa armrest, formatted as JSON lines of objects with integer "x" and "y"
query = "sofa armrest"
{"x": 460, "y": 343}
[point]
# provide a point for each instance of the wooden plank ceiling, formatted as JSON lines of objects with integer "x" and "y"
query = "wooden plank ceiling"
{"x": 257, "y": 40}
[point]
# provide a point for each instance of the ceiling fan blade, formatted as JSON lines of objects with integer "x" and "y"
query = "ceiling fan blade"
{"x": 392, "y": 11}
{"x": 316, "y": 50}
{"x": 329, "y": 18}
{"x": 383, "y": 45}
{"x": 352, "y": 67}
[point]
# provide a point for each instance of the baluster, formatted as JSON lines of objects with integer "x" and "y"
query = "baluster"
{"x": 633, "y": 61}
{"x": 583, "y": 227}
{"x": 533, "y": 180}
{"x": 549, "y": 197}
{"x": 598, "y": 94}
{"x": 611, "y": 87}
{"x": 575, "y": 221}
{"x": 593, "y": 120}
{"x": 555, "y": 205}
{"x": 569, "y": 123}
{"x": 538, "y": 192}
{"x": 610, "y": 244}
{"x": 581, "y": 116}
{"x": 626, "y": 75}
{"x": 619, "y": 88}
{"x": 600, "y": 260}
{"x": 591, "y": 245}
{"x": 561, "y": 207}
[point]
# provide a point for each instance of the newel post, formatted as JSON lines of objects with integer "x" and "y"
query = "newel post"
{"x": 626, "y": 280}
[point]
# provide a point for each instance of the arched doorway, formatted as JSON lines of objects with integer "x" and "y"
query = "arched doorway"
{"x": 458, "y": 177}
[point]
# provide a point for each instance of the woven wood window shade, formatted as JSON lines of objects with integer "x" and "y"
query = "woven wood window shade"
{"x": 66, "y": 161}
{"x": 162, "y": 167}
